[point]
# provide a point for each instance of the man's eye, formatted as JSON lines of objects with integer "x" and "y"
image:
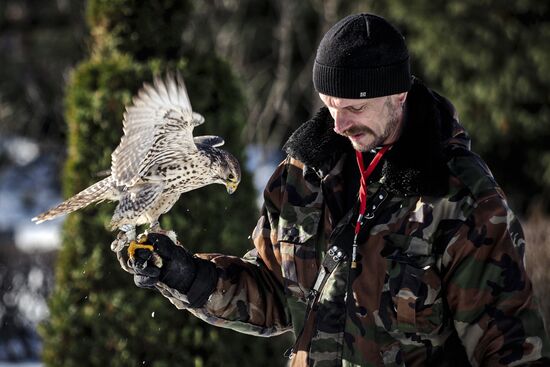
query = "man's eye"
{"x": 356, "y": 109}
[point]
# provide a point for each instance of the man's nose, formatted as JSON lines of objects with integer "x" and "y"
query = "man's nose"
{"x": 340, "y": 122}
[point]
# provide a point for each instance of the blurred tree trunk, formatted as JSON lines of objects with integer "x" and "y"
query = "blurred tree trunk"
{"x": 39, "y": 43}
{"x": 272, "y": 46}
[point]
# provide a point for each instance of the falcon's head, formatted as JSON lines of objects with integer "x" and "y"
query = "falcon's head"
{"x": 230, "y": 173}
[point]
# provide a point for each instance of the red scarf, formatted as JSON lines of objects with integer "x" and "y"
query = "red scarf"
{"x": 365, "y": 174}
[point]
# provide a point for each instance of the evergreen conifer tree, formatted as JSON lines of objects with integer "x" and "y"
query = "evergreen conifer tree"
{"x": 98, "y": 317}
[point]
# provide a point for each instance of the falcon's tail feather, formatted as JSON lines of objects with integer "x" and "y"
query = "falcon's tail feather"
{"x": 96, "y": 192}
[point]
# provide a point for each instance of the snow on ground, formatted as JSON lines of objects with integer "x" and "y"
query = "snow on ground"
{"x": 28, "y": 185}
{"x": 30, "y": 237}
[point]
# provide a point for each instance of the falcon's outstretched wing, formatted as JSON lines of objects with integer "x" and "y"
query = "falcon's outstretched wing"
{"x": 159, "y": 121}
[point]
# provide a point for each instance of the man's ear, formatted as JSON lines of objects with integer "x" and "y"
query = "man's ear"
{"x": 401, "y": 97}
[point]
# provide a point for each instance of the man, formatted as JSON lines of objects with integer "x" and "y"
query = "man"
{"x": 398, "y": 249}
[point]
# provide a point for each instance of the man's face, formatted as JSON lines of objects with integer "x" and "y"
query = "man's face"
{"x": 368, "y": 122}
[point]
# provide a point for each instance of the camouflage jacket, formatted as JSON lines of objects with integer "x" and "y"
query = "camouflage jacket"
{"x": 440, "y": 279}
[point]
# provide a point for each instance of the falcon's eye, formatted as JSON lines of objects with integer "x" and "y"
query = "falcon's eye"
{"x": 231, "y": 177}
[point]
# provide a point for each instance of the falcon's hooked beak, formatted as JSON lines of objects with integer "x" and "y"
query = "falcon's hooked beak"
{"x": 231, "y": 186}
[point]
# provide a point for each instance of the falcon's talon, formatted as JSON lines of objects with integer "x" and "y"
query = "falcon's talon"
{"x": 135, "y": 246}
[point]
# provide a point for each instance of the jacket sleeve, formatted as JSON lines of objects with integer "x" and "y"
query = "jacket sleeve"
{"x": 489, "y": 293}
{"x": 249, "y": 296}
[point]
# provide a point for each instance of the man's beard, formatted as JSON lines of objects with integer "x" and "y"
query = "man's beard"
{"x": 391, "y": 125}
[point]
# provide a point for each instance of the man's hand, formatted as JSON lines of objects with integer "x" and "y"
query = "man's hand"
{"x": 180, "y": 270}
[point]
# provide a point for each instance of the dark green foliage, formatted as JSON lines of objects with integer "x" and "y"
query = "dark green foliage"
{"x": 142, "y": 28}
{"x": 39, "y": 41}
{"x": 491, "y": 58}
{"x": 98, "y": 316}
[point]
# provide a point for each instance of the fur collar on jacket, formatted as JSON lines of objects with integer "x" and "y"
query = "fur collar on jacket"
{"x": 416, "y": 164}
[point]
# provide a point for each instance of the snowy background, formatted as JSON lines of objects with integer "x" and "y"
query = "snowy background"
{"x": 28, "y": 183}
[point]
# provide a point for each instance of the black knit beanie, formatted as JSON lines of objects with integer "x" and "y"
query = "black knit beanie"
{"x": 362, "y": 56}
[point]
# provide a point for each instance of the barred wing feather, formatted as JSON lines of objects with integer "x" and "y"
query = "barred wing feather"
{"x": 160, "y": 118}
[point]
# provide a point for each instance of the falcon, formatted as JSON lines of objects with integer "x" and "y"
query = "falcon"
{"x": 156, "y": 161}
